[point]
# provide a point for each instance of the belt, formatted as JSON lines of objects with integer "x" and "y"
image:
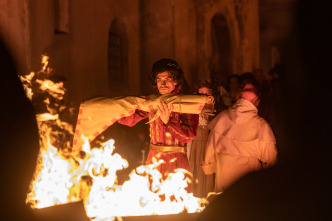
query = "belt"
{"x": 167, "y": 148}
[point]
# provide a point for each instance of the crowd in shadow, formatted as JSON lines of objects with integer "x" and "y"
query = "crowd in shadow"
{"x": 297, "y": 187}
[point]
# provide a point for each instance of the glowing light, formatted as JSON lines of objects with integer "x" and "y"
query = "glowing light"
{"x": 90, "y": 176}
{"x": 54, "y": 182}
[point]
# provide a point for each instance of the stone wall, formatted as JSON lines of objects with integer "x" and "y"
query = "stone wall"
{"x": 75, "y": 34}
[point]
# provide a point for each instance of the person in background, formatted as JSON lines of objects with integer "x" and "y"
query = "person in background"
{"x": 265, "y": 109}
{"x": 202, "y": 184}
{"x": 263, "y": 81}
{"x": 169, "y": 133}
{"x": 240, "y": 140}
{"x": 227, "y": 96}
{"x": 277, "y": 74}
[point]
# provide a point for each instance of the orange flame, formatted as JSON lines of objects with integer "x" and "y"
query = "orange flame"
{"x": 145, "y": 193}
{"x": 54, "y": 89}
{"x": 44, "y": 61}
{"x": 54, "y": 182}
{"x": 61, "y": 177}
{"x": 26, "y": 81}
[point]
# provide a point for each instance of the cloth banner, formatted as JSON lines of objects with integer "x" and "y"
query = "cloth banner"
{"x": 97, "y": 114}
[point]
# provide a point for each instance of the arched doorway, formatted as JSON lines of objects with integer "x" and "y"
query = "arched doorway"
{"x": 220, "y": 62}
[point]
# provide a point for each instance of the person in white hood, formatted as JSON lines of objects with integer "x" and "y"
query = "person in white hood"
{"x": 240, "y": 141}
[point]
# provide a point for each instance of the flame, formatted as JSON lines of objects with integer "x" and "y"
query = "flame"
{"x": 155, "y": 196}
{"x": 26, "y": 82}
{"x": 55, "y": 180}
{"x": 54, "y": 89}
{"x": 46, "y": 117}
{"x": 44, "y": 61}
{"x": 90, "y": 176}
{"x": 61, "y": 180}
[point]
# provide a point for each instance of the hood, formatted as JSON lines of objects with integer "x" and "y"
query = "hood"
{"x": 242, "y": 110}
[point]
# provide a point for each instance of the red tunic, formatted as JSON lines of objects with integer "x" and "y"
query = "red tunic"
{"x": 180, "y": 129}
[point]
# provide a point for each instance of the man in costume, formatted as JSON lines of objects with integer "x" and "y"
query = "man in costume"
{"x": 170, "y": 131}
{"x": 240, "y": 141}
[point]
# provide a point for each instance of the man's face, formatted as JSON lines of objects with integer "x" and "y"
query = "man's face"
{"x": 165, "y": 82}
{"x": 248, "y": 92}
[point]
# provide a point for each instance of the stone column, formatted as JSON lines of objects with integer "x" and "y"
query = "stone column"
{"x": 247, "y": 15}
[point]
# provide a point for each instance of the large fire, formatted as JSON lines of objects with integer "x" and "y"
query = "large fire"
{"x": 91, "y": 176}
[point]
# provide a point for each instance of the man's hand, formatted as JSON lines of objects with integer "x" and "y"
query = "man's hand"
{"x": 164, "y": 111}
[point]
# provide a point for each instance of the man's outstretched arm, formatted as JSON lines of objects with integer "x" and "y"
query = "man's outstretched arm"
{"x": 134, "y": 118}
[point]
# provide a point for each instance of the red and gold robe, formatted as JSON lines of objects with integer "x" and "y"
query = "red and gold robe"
{"x": 180, "y": 129}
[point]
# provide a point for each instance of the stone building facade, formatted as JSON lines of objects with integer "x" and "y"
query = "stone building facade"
{"x": 107, "y": 47}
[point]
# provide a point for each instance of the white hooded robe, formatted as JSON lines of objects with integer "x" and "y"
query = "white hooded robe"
{"x": 240, "y": 142}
